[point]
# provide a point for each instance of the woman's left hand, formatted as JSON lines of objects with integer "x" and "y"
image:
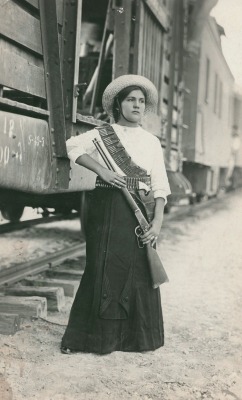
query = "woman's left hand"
{"x": 152, "y": 234}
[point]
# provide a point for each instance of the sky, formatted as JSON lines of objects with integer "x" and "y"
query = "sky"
{"x": 228, "y": 13}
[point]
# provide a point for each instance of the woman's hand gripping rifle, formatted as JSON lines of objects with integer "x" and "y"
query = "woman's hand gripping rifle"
{"x": 157, "y": 271}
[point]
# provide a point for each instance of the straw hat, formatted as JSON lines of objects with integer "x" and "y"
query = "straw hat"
{"x": 124, "y": 81}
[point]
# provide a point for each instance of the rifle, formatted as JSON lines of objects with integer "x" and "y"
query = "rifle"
{"x": 157, "y": 271}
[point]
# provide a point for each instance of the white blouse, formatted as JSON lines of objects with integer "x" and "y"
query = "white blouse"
{"x": 144, "y": 149}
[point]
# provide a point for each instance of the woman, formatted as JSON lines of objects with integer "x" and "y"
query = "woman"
{"x": 116, "y": 308}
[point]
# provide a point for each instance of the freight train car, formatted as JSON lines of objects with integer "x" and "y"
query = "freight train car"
{"x": 233, "y": 178}
{"x": 56, "y": 58}
{"x": 36, "y": 44}
{"x": 211, "y": 109}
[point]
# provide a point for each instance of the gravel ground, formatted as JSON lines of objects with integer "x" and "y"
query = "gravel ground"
{"x": 201, "y": 358}
{"x": 37, "y": 241}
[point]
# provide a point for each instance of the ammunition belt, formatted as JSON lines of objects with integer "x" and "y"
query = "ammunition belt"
{"x": 118, "y": 152}
{"x": 131, "y": 182}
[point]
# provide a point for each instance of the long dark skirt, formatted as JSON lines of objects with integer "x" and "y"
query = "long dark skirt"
{"x": 115, "y": 308}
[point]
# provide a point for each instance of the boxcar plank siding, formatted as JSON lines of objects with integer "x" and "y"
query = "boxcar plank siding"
{"x": 19, "y": 73}
{"x": 19, "y": 26}
{"x": 122, "y": 47}
{"x": 59, "y": 6}
{"x": 34, "y": 3}
{"x": 150, "y": 46}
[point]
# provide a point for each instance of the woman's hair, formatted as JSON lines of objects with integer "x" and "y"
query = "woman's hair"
{"x": 121, "y": 96}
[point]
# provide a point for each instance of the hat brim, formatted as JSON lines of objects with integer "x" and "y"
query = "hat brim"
{"x": 125, "y": 81}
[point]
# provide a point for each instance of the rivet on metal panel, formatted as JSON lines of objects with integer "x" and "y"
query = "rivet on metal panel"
{"x": 53, "y": 143}
{"x": 54, "y": 154}
{"x": 52, "y": 130}
{"x": 67, "y": 116}
{"x": 70, "y": 168}
{"x": 14, "y": 136}
{"x": 47, "y": 74}
{"x": 69, "y": 179}
{"x": 57, "y": 170}
{"x": 13, "y": 154}
{"x": 56, "y": 182}
{"x": 70, "y": 60}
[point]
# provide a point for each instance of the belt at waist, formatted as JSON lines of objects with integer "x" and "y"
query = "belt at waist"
{"x": 131, "y": 182}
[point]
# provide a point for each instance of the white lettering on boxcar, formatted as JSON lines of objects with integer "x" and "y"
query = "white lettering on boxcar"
{"x": 36, "y": 140}
{"x": 4, "y": 155}
{"x": 20, "y": 152}
{"x": 8, "y": 127}
{"x": 11, "y": 127}
{"x": 5, "y": 126}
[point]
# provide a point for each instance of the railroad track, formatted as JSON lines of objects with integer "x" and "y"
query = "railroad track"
{"x": 31, "y": 289}
{"x": 18, "y": 272}
{"x": 16, "y": 226}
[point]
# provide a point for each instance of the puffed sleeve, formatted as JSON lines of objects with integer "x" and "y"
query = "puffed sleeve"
{"x": 81, "y": 144}
{"x": 159, "y": 180}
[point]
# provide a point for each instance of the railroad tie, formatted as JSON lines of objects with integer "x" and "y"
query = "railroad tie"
{"x": 54, "y": 295}
{"x": 64, "y": 273}
{"x": 25, "y": 307}
{"x": 70, "y": 287}
{"x": 9, "y": 323}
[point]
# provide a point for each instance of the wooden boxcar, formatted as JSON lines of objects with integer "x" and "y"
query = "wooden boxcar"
{"x": 57, "y": 57}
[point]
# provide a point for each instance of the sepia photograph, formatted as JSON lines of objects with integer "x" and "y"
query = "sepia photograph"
{"x": 120, "y": 199}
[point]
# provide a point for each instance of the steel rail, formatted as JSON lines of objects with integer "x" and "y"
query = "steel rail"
{"x": 19, "y": 271}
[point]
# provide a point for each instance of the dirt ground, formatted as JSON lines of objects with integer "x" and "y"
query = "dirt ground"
{"x": 202, "y": 356}
{"x": 31, "y": 243}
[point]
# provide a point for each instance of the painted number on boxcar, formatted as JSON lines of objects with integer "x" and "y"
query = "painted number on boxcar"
{"x": 6, "y": 151}
{"x": 25, "y": 153}
{"x": 4, "y": 155}
{"x": 36, "y": 140}
{"x": 15, "y": 149}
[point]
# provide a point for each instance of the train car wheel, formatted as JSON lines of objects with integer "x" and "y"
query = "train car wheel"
{"x": 12, "y": 212}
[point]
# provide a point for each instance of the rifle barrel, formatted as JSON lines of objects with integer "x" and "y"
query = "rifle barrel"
{"x": 103, "y": 155}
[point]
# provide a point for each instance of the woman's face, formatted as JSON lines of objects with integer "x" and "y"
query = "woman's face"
{"x": 133, "y": 107}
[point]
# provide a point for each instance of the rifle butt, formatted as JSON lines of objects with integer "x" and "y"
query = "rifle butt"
{"x": 157, "y": 271}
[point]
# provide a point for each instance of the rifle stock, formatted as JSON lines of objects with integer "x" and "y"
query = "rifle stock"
{"x": 157, "y": 271}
